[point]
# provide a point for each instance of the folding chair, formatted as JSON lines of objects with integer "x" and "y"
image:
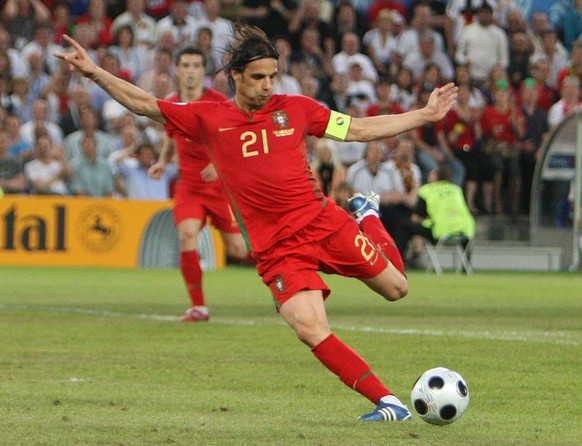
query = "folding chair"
{"x": 461, "y": 245}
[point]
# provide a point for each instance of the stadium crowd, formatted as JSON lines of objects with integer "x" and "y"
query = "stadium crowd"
{"x": 62, "y": 134}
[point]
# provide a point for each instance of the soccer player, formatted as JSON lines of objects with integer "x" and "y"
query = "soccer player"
{"x": 198, "y": 193}
{"x": 257, "y": 144}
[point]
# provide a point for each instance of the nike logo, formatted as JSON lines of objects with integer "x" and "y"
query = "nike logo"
{"x": 224, "y": 129}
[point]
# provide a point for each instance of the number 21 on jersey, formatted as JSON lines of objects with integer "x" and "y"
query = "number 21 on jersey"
{"x": 254, "y": 144}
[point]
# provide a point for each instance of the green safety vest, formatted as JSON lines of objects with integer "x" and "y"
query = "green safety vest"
{"x": 447, "y": 210}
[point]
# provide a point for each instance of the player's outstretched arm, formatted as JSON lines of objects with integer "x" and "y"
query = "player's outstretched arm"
{"x": 128, "y": 95}
{"x": 378, "y": 127}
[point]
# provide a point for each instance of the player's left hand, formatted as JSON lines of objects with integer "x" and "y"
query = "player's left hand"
{"x": 209, "y": 174}
{"x": 441, "y": 100}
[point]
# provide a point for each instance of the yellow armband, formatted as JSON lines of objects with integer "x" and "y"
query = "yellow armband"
{"x": 338, "y": 126}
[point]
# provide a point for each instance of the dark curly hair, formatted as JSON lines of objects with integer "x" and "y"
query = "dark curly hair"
{"x": 251, "y": 44}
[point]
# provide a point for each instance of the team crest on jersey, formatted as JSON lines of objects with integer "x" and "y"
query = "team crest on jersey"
{"x": 280, "y": 118}
{"x": 279, "y": 284}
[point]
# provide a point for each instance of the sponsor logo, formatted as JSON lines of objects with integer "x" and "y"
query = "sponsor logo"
{"x": 339, "y": 120}
{"x": 98, "y": 228}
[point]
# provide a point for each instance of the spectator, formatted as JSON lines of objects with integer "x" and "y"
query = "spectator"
{"x": 409, "y": 39}
{"x": 12, "y": 179}
{"x": 285, "y": 83}
{"x": 163, "y": 64}
{"x": 134, "y": 171}
{"x": 328, "y": 170}
{"x": 406, "y": 178}
{"x": 520, "y": 51}
{"x": 380, "y": 42}
{"x": 391, "y": 5}
{"x": 461, "y": 132}
{"x": 89, "y": 122}
{"x": 48, "y": 172}
{"x": 91, "y": 176}
{"x": 569, "y": 101}
{"x": 40, "y": 117}
{"x": 476, "y": 98}
{"x": 547, "y": 95}
{"x": 17, "y": 67}
{"x": 351, "y": 53}
{"x": 441, "y": 210}
{"x": 21, "y": 17}
{"x": 179, "y": 23}
{"x": 371, "y": 174}
{"x": 311, "y": 54}
{"x": 43, "y": 44}
{"x": 503, "y": 126}
{"x": 384, "y": 105}
{"x": 270, "y": 16}
{"x": 220, "y": 27}
{"x": 17, "y": 146}
{"x": 337, "y": 98}
{"x": 62, "y": 22}
{"x": 21, "y": 98}
{"x": 482, "y": 45}
{"x": 402, "y": 92}
{"x": 143, "y": 25}
{"x": 204, "y": 43}
{"x": 427, "y": 54}
{"x": 574, "y": 67}
{"x": 109, "y": 63}
{"x": 99, "y": 22}
{"x": 557, "y": 58}
{"x": 70, "y": 121}
{"x": 430, "y": 154}
{"x": 536, "y": 128}
{"x": 130, "y": 57}
{"x": 308, "y": 16}
{"x": 346, "y": 19}
{"x": 540, "y": 23}
{"x": 361, "y": 90}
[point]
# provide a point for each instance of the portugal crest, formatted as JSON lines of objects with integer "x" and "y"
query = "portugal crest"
{"x": 280, "y": 118}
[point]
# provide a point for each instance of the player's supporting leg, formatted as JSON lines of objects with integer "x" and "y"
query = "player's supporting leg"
{"x": 236, "y": 247}
{"x": 188, "y": 230}
{"x": 305, "y": 313}
{"x": 366, "y": 210}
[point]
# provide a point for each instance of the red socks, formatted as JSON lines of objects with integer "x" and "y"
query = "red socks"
{"x": 351, "y": 369}
{"x": 374, "y": 229}
{"x": 192, "y": 274}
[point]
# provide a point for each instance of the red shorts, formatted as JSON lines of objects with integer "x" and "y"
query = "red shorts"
{"x": 332, "y": 243}
{"x": 202, "y": 201}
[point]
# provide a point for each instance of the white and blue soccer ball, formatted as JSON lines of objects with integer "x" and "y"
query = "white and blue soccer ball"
{"x": 440, "y": 396}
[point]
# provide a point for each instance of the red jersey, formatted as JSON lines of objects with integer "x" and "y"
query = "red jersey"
{"x": 452, "y": 122}
{"x": 192, "y": 159}
{"x": 261, "y": 159}
{"x": 498, "y": 125}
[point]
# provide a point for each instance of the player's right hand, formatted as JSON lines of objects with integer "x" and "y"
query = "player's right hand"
{"x": 156, "y": 170}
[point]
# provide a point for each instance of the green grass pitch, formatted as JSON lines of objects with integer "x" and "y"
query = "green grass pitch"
{"x": 96, "y": 357}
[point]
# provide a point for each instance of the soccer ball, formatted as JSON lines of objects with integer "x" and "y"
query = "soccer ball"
{"x": 440, "y": 396}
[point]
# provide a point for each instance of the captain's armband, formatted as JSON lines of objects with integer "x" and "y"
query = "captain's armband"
{"x": 338, "y": 126}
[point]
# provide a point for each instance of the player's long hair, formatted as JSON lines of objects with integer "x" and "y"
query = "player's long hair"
{"x": 250, "y": 44}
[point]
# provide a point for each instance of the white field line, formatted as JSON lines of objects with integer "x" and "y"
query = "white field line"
{"x": 536, "y": 337}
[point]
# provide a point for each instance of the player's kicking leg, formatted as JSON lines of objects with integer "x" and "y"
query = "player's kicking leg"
{"x": 391, "y": 283}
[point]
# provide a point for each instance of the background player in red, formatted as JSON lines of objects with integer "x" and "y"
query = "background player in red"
{"x": 257, "y": 143}
{"x": 198, "y": 192}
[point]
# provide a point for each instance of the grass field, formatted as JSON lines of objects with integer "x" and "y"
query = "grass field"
{"x": 96, "y": 357}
